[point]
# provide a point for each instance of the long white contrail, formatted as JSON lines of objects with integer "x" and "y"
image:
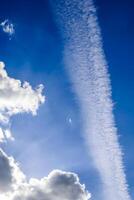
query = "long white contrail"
{"x": 87, "y": 66}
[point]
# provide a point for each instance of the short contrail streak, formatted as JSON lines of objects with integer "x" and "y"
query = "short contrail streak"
{"x": 87, "y": 67}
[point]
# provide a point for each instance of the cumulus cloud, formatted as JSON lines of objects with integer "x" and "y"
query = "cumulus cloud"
{"x": 13, "y": 183}
{"x": 7, "y": 27}
{"x": 10, "y": 174}
{"x": 58, "y": 185}
{"x": 17, "y": 97}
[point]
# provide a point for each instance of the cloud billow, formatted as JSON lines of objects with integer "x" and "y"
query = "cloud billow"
{"x": 10, "y": 174}
{"x": 57, "y": 185}
{"x": 17, "y": 97}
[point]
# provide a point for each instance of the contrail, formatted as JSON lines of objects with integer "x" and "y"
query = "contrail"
{"x": 86, "y": 63}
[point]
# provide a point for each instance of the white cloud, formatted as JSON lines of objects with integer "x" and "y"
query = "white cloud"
{"x": 2, "y": 137}
{"x": 58, "y": 185}
{"x": 10, "y": 174}
{"x": 8, "y": 134}
{"x": 5, "y": 134}
{"x": 17, "y": 97}
{"x": 87, "y": 67}
{"x": 7, "y": 27}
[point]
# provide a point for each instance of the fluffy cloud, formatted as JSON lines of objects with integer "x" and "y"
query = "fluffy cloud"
{"x": 7, "y": 27}
{"x": 58, "y": 185}
{"x": 10, "y": 174}
{"x": 17, "y": 97}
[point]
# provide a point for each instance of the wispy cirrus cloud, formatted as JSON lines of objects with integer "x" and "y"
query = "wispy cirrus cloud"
{"x": 86, "y": 63}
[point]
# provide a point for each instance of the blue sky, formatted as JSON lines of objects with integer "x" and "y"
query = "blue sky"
{"x": 53, "y": 139}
